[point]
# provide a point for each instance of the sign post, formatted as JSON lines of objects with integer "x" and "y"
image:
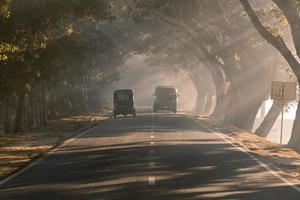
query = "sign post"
{"x": 283, "y": 91}
{"x": 282, "y": 112}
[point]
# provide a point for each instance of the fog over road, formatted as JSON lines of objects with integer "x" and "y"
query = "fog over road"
{"x": 152, "y": 156}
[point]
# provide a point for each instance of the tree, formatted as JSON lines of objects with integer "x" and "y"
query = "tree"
{"x": 216, "y": 41}
{"x": 288, "y": 8}
{"x": 28, "y": 28}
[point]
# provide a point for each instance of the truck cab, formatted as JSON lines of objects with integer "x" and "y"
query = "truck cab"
{"x": 165, "y": 98}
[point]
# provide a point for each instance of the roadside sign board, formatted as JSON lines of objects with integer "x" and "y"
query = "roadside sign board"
{"x": 283, "y": 90}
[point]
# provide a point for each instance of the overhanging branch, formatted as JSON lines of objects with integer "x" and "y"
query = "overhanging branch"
{"x": 276, "y": 41}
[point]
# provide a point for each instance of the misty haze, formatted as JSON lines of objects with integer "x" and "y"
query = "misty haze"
{"x": 149, "y": 99}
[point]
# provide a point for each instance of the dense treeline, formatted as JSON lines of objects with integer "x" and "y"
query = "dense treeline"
{"x": 240, "y": 58}
{"x": 53, "y": 50}
{"x": 50, "y": 59}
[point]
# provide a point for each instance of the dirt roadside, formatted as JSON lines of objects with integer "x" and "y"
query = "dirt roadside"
{"x": 284, "y": 158}
{"x": 17, "y": 150}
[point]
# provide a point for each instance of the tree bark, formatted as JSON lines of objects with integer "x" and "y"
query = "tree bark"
{"x": 43, "y": 105}
{"x": 295, "y": 137}
{"x": 7, "y": 123}
{"x": 221, "y": 106}
{"x": 277, "y": 41}
{"x": 281, "y": 46}
{"x": 200, "y": 99}
{"x": 232, "y": 107}
{"x": 266, "y": 125}
{"x": 246, "y": 120}
{"x": 291, "y": 13}
{"x": 263, "y": 110}
{"x": 244, "y": 101}
{"x": 38, "y": 104}
{"x": 208, "y": 105}
{"x": 19, "y": 111}
{"x": 30, "y": 110}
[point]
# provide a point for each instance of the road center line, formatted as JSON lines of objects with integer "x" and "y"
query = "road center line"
{"x": 152, "y": 129}
{"x": 151, "y": 151}
{"x": 151, "y": 164}
{"x": 151, "y": 180}
{"x": 152, "y": 123}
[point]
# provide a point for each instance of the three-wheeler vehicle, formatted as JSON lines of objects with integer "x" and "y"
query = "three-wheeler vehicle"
{"x": 123, "y": 103}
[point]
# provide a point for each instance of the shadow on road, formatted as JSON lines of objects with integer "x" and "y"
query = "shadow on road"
{"x": 204, "y": 168}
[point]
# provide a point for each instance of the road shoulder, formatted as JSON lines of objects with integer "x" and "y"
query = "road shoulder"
{"x": 18, "y": 151}
{"x": 278, "y": 158}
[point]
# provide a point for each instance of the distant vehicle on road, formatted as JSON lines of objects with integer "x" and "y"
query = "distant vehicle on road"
{"x": 165, "y": 98}
{"x": 123, "y": 103}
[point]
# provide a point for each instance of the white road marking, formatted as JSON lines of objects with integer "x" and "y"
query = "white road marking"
{"x": 151, "y": 164}
{"x": 247, "y": 152}
{"x": 37, "y": 161}
{"x": 152, "y": 129}
{"x": 152, "y": 123}
{"x": 152, "y": 151}
{"x": 151, "y": 180}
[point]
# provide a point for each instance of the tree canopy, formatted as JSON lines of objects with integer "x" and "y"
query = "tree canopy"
{"x": 51, "y": 50}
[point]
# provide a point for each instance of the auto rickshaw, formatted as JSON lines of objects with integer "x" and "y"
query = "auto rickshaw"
{"x": 123, "y": 103}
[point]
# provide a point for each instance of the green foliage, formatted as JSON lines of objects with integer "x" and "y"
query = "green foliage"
{"x": 140, "y": 10}
{"x": 55, "y": 42}
{"x": 29, "y": 27}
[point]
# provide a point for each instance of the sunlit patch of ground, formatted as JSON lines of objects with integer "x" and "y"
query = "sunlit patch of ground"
{"x": 286, "y": 159}
{"x": 17, "y": 150}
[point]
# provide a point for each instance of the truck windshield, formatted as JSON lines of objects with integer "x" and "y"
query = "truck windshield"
{"x": 165, "y": 92}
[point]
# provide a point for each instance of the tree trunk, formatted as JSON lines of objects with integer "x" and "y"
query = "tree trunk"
{"x": 279, "y": 43}
{"x": 208, "y": 105}
{"x": 243, "y": 114}
{"x": 263, "y": 110}
{"x": 37, "y": 105}
{"x": 30, "y": 109}
{"x": 295, "y": 137}
{"x": 266, "y": 125}
{"x": 232, "y": 108}
{"x": 200, "y": 101}
{"x": 7, "y": 123}
{"x": 43, "y": 105}
{"x": 220, "y": 107}
{"x": 243, "y": 105}
{"x": 198, "y": 82}
{"x": 26, "y": 112}
{"x": 34, "y": 106}
{"x": 246, "y": 120}
{"x": 51, "y": 105}
{"x": 19, "y": 111}
{"x": 290, "y": 11}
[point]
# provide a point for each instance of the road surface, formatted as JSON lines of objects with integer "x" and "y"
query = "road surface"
{"x": 154, "y": 156}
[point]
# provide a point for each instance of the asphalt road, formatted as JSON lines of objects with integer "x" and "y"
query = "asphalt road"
{"x": 161, "y": 156}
